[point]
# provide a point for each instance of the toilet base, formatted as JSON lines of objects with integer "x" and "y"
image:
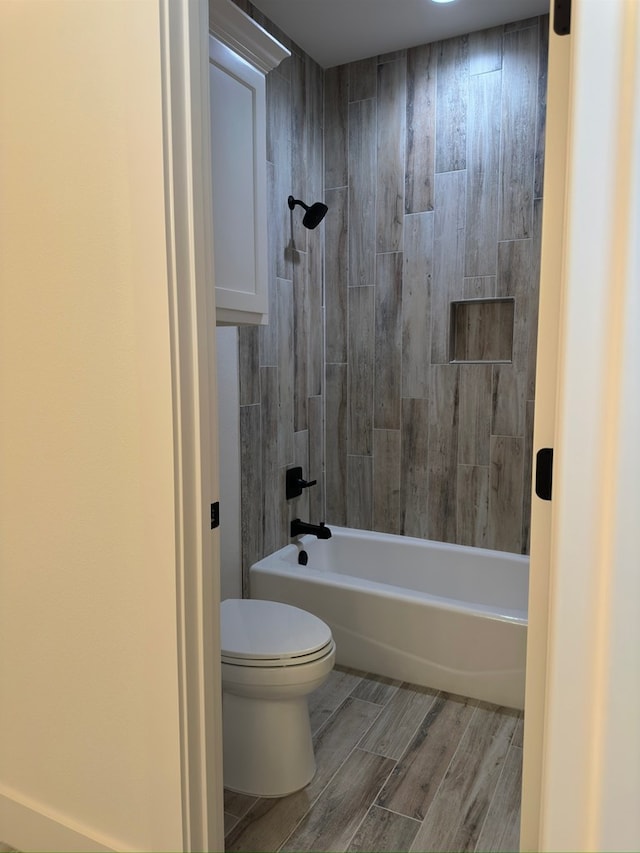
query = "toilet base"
{"x": 268, "y": 750}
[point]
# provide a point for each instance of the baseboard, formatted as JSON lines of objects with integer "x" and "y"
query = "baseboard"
{"x": 27, "y": 827}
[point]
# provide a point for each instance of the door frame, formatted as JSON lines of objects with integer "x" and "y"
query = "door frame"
{"x": 189, "y": 228}
{"x": 549, "y": 311}
{"x": 580, "y": 787}
{"x": 576, "y": 733}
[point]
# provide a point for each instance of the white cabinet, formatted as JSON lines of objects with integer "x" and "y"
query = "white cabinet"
{"x": 240, "y": 54}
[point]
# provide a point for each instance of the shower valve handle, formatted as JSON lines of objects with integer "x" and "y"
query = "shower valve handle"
{"x": 296, "y": 482}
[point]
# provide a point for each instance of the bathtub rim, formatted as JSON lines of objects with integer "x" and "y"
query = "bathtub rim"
{"x": 359, "y": 533}
{"x": 278, "y": 564}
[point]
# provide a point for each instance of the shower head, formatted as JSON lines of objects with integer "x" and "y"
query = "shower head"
{"x": 313, "y": 215}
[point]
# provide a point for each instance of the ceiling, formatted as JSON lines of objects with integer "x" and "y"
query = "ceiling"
{"x": 337, "y": 31}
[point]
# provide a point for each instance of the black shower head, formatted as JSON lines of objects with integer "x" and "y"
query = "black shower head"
{"x": 313, "y": 215}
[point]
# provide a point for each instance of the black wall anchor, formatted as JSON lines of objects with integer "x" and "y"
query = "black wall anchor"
{"x": 296, "y": 483}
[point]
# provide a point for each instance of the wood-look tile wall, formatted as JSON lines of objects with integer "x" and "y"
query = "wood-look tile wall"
{"x": 282, "y": 364}
{"x": 432, "y": 172}
{"x": 433, "y": 175}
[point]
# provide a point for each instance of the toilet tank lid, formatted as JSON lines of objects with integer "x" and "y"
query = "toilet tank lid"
{"x": 253, "y": 628}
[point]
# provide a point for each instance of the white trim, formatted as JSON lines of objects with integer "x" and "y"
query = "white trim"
{"x": 550, "y": 305}
{"x": 184, "y": 60}
{"x": 39, "y": 830}
{"x": 590, "y": 786}
{"x": 243, "y": 35}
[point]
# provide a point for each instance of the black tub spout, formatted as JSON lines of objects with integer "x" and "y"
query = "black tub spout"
{"x": 298, "y": 528}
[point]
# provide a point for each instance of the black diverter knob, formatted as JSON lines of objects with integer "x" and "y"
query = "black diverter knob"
{"x": 296, "y": 483}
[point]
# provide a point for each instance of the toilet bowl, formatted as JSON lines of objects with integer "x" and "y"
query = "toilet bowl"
{"x": 273, "y": 656}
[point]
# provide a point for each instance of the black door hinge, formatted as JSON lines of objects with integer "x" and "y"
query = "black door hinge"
{"x": 544, "y": 473}
{"x": 215, "y": 515}
{"x": 562, "y": 17}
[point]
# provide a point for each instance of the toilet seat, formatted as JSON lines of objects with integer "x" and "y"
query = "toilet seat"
{"x": 257, "y": 633}
{"x": 279, "y": 662}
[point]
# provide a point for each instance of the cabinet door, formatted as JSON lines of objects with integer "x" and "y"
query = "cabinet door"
{"x": 238, "y": 158}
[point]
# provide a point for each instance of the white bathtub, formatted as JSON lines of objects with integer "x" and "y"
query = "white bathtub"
{"x": 445, "y": 616}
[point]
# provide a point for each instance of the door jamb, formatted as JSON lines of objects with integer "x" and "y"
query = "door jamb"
{"x": 189, "y": 230}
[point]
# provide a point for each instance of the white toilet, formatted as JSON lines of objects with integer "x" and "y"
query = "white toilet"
{"x": 273, "y": 656}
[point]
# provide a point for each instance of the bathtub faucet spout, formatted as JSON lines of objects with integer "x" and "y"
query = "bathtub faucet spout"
{"x": 298, "y": 528}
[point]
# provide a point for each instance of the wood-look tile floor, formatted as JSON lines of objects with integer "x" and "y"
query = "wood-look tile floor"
{"x": 399, "y": 768}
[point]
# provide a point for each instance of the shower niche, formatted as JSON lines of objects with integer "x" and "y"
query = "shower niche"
{"x": 481, "y": 331}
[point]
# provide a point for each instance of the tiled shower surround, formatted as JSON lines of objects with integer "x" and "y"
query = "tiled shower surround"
{"x": 431, "y": 162}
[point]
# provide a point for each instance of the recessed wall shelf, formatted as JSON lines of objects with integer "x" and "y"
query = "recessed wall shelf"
{"x": 481, "y": 330}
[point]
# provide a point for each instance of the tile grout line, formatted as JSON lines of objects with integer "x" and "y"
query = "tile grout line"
{"x": 504, "y": 764}
{"x": 444, "y": 775}
{"x": 382, "y": 706}
{"x": 335, "y": 710}
{"x": 504, "y": 828}
{"x": 493, "y": 795}
{"x": 313, "y": 802}
{"x": 244, "y": 813}
{"x": 411, "y": 737}
{"x": 236, "y": 821}
{"x": 399, "y": 814}
{"x": 415, "y": 731}
{"x": 338, "y": 768}
{"x": 356, "y": 746}
{"x": 374, "y": 798}
{"x": 364, "y": 817}
{"x": 351, "y": 696}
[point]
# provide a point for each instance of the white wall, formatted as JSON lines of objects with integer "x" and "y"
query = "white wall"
{"x": 89, "y": 725}
{"x": 229, "y": 448}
